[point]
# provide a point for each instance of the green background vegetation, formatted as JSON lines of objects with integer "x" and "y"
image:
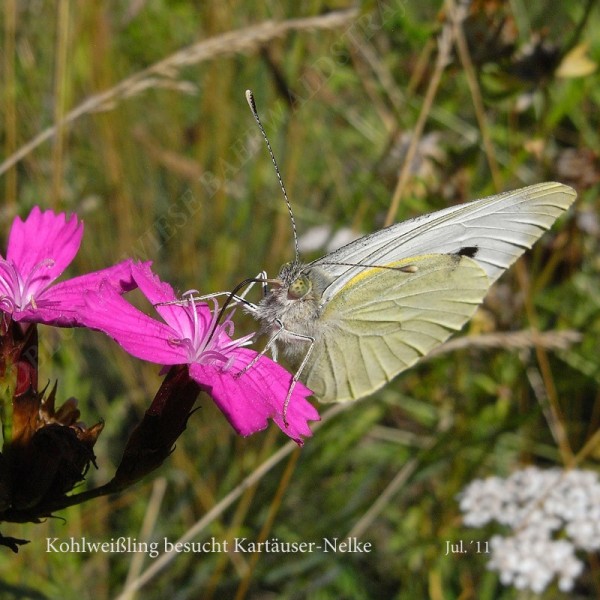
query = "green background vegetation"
{"x": 172, "y": 169}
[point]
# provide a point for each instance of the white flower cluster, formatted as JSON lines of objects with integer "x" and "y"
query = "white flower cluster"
{"x": 537, "y": 505}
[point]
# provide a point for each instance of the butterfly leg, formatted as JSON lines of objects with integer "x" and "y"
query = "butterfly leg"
{"x": 250, "y": 306}
{"x": 298, "y": 372}
{"x": 265, "y": 286}
{"x": 241, "y": 298}
{"x": 235, "y": 298}
{"x": 260, "y": 278}
{"x": 270, "y": 345}
{"x": 238, "y": 299}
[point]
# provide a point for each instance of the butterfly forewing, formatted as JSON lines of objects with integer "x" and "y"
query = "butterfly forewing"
{"x": 383, "y": 321}
{"x": 498, "y": 229}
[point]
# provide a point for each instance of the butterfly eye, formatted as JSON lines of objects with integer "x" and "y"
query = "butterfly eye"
{"x": 299, "y": 287}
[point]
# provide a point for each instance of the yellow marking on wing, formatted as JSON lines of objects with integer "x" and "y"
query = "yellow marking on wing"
{"x": 398, "y": 264}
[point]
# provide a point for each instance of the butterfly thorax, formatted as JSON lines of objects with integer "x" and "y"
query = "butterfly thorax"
{"x": 294, "y": 301}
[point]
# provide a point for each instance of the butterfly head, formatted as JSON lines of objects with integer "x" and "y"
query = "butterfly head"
{"x": 294, "y": 280}
{"x": 299, "y": 288}
{"x": 299, "y": 282}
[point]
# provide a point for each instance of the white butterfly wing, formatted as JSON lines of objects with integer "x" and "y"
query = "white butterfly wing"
{"x": 500, "y": 228}
{"x": 383, "y": 321}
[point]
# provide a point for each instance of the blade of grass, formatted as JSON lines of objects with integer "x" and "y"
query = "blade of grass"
{"x": 444, "y": 47}
{"x": 61, "y": 65}
{"x": 10, "y": 91}
{"x": 163, "y": 73}
{"x": 457, "y": 16}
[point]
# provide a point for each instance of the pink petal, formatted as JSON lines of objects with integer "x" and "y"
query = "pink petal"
{"x": 136, "y": 332}
{"x": 159, "y": 292}
{"x": 44, "y": 236}
{"x": 150, "y": 284}
{"x": 256, "y": 396}
{"x": 64, "y": 304}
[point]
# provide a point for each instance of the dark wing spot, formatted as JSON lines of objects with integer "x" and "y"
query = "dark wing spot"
{"x": 470, "y": 251}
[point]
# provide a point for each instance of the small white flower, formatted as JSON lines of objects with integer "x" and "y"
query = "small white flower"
{"x": 537, "y": 505}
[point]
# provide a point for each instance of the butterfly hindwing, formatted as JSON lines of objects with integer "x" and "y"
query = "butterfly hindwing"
{"x": 385, "y": 319}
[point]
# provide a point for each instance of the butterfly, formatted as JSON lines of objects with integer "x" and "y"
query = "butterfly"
{"x": 357, "y": 317}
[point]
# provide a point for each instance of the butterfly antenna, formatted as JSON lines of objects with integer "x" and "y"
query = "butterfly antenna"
{"x": 252, "y": 104}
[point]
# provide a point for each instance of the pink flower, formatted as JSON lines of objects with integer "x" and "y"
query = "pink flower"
{"x": 191, "y": 335}
{"x": 39, "y": 250}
